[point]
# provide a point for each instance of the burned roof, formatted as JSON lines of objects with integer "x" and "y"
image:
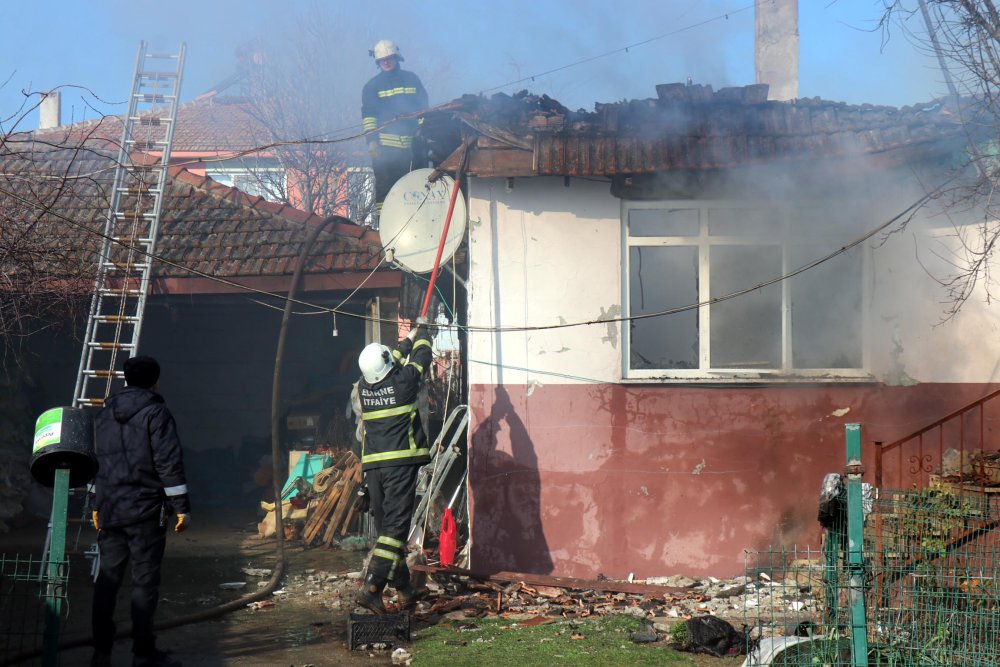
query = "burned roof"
{"x": 685, "y": 127}
{"x": 62, "y": 191}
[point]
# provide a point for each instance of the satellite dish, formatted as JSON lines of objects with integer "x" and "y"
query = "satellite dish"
{"x": 413, "y": 216}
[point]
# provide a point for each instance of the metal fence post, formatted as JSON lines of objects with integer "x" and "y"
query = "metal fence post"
{"x": 855, "y": 546}
{"x": 56, "y": 580}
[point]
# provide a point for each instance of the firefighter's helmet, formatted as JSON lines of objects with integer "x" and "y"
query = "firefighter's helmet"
{"x": 384, "y": 49}
{"x": 375, "y": 362}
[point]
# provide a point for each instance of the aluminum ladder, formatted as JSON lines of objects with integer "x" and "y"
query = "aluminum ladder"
{"x": 130, "y": 228}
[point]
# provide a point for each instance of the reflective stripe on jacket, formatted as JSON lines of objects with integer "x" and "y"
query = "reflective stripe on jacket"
{"x": 394, "y": 434}
{"x": 391, "y": 94}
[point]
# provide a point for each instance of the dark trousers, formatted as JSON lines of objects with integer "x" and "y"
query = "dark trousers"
{"x": 143, "y": 543}
{"x": 393, "y": 501}
{"x": 390, "y": 166}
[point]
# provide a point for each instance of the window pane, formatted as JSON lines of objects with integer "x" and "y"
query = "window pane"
{"x": 662, "y": 278}
{"x": 826, "y": 310}
{"x": 743, "y": 221}
{"x": 663, "y": 222}
{"x": 745, "y": 330}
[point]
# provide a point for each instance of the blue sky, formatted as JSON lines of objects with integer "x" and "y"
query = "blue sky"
{"x": 458, "y": 48}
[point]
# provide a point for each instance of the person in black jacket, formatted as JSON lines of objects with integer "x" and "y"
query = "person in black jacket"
{"x": 140, "y": 481}
{"x": 390, "y": 93}
{"x": 392, "y": 451}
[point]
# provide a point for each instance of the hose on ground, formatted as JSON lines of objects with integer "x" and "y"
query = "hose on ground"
{"x": 277, "y": 475}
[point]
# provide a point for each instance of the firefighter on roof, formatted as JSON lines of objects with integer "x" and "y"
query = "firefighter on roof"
{"x": 390, "y": 93}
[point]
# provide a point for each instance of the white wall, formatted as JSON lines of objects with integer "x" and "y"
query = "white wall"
{"x": 544, "y": 254}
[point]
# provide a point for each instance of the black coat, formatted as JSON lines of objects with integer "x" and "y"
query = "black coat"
{"x": 394, "y": 435}
{"x": 139, "y": 457}
{"x": 391, "y": 94}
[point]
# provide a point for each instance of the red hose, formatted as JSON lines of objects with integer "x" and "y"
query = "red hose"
{"x": 444, "y": 235}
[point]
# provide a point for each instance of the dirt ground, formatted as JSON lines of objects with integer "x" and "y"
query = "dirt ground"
{"x": 304, "y": 627}
{"x": 296, "y": 631}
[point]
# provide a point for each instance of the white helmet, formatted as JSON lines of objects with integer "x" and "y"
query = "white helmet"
{"x": 375, "y": 362}
{"x": 384, "y": 49}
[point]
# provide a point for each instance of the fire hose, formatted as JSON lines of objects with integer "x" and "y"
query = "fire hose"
{"x": 279, "y": 568}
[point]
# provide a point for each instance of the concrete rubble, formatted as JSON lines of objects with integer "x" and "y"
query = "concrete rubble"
{"x": 770, "y": 607}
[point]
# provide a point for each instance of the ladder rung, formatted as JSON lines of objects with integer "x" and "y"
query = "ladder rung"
{"x": 159, "y": 75}
{"x": 132, "y": 215}
{"x": 125, "y": 266}
{"x": 111, "y": 346}
{"x": 154, "y": 97}
{"x": 128, "y": 319}
{"x": 131, "y": 240}
{"x": 118, "y": 291}
{"x": 91, "y": 402}
{"x": 104, "y": 374}
{"x": 163, "y": 55}
{"x": 146, "y": 120}
{"x": 145, "y": 143}
{"x": 137, "y": 192}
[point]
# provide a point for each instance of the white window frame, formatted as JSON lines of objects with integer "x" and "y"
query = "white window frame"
{"x": 258, "y": 170}
{"x": 703, "y": 242}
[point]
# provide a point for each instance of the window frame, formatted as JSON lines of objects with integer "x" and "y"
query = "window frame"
{"x": 259, "y": 170}
{"x": 703, "y": 243}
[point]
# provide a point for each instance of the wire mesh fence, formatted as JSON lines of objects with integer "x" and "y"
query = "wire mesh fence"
{"x": 928, "y": 587}
{"x": 32, "y": 590}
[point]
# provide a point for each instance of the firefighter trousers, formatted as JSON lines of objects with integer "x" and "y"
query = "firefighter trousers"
{"x": 393, "y": 501}
{"x": 144, "y": 544}
{"x": 390, "y": 166}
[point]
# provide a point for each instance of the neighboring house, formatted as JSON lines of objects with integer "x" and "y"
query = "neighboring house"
{"x": 226, "y": 138}
{"x": 215, "y": 339}
{"x": 617, "y": 429}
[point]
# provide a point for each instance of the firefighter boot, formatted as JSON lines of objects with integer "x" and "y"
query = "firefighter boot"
{"x": 409, "y": 596}
{"x": 370, "y": 595}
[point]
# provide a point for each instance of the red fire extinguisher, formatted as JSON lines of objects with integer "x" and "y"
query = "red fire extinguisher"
{"x": 449, "y": 539}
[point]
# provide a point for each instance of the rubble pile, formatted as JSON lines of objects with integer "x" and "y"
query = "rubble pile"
{"x": 770, "y": 607}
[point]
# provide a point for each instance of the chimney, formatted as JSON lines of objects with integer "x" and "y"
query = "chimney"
{"x": 776, "y": 47}
{"x": 49, "y": 111}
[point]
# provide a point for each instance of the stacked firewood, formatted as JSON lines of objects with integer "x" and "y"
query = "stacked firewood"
{"x": 335, "y": 503}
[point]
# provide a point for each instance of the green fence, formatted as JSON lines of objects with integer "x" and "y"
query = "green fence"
{"x": 31, "y": 591}
{"x": 904, "y": 578}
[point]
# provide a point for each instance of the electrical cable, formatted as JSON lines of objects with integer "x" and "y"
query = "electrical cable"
{"x": 621, "y": 49}
{"x": 909, "y": 210}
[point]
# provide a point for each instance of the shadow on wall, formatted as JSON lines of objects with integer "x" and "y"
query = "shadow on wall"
{"x": 508, "y": 533}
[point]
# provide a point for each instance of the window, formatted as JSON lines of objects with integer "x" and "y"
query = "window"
{"x": 261, "y": 177}
{"x": 361, "y": 196}
{"x": 753, "y": 326}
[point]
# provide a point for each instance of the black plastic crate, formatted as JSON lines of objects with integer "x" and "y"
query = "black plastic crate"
{"x": 364, "y": 629}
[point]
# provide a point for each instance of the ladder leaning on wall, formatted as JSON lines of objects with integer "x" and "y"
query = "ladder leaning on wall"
{"x": 130, "y": 228}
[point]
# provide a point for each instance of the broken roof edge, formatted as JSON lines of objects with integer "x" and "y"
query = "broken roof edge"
{"x": 693, "y": 127}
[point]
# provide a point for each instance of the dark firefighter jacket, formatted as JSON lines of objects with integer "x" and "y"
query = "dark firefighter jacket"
{"x": 390, "y": 94}
{"x": 140, "y": 463}
{"x": 393, "y": 433}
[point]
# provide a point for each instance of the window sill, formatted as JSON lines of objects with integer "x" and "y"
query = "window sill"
{"x": 753, "y": 379}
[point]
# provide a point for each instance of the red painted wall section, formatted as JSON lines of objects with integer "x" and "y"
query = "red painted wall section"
{"x": 581, "y": 480}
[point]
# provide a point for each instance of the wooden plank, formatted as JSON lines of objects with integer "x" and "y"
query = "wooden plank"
{"x": 559, "y": 582}
{"x": 346, "y": 501}
{"x": 319, "y": 517}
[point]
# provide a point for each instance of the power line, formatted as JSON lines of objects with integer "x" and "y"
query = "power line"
{"x": 621, "y": 49}
{"x": 908, "y": 211}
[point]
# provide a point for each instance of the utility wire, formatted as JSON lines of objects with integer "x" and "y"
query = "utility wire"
{"x": 621, "y": 49}
{"x": 909, "y": 210}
